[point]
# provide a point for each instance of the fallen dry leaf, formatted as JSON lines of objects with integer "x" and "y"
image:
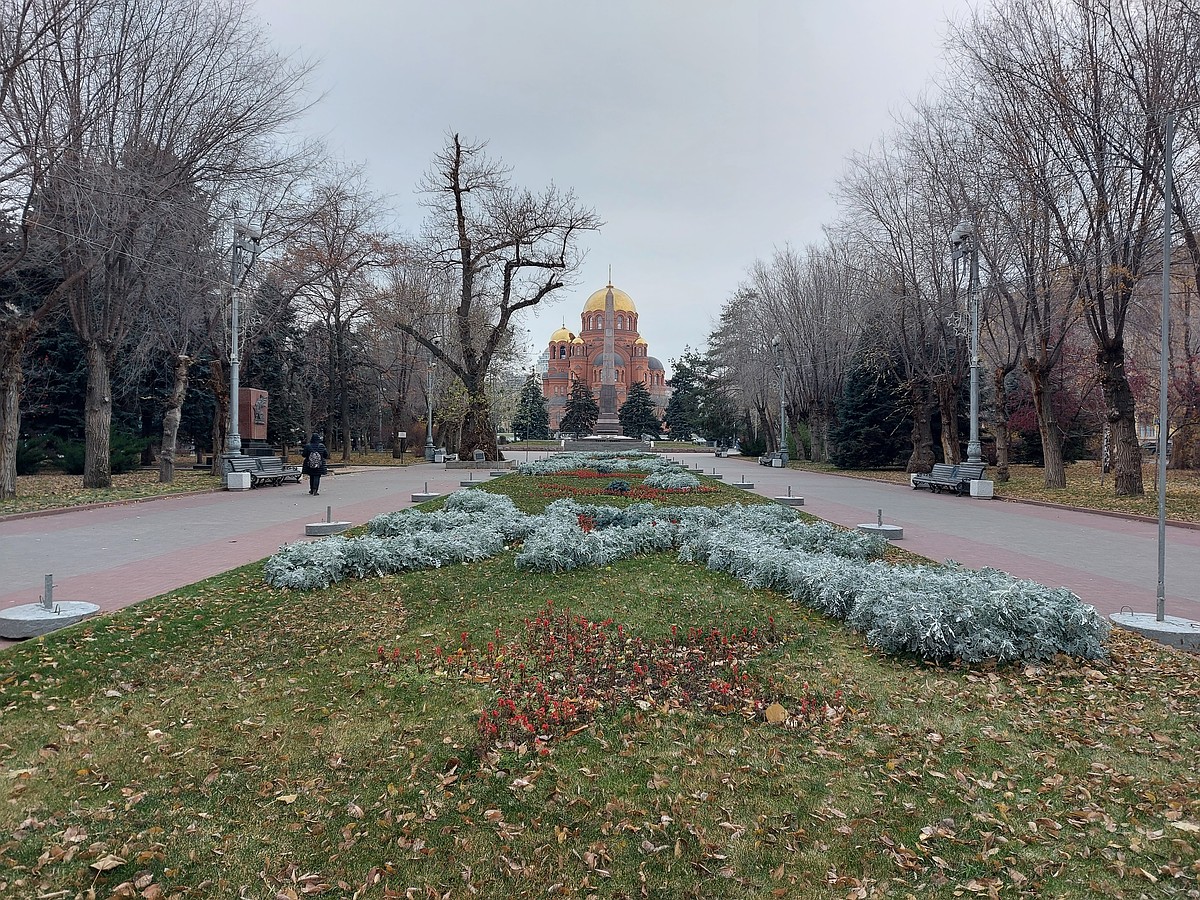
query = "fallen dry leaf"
{"x": 107, "y": 863}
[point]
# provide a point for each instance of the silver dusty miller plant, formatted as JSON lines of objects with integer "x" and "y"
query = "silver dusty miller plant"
{"x": 935, "y": 612}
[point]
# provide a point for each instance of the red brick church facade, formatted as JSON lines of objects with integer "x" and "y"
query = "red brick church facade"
{"x": 581, "y": 356}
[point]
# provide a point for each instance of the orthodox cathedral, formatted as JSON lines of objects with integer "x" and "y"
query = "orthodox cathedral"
{"x": 609, "y": 354}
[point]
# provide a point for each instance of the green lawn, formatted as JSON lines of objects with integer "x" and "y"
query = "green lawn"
{"x": 230, "y": 740}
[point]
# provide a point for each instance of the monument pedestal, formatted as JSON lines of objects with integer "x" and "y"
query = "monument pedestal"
{"x": 608, "y": 423}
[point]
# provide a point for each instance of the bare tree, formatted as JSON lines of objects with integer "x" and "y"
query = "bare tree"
{"x": 331, "y": 267}
{"x": 1061, "y": 63}
{"x": 411, "y": 288}
{"x": 30, "y": 35}
{"x": 143, "y": 103}
{"x": 187, "y": 280}
{"x": 508, "y": 249}
{"x": 1158, "y": 48}
{"x": 740, "y": 348}
{"x": 897, "y": 221}
{"x": 815, "y": 299}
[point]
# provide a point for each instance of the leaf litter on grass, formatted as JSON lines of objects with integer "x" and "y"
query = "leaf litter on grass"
{"x": 233, "y": 737}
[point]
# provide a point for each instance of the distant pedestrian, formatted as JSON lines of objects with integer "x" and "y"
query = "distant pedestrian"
{"x": 315, "y": 455}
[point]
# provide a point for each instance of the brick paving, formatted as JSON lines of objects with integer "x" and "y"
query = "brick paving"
{"x": 118, "y": 555}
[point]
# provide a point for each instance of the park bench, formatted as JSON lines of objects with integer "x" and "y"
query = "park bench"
{"x": 956, "y": 478}
{"x": 264, "y": 469}
{"x": 271, "y": 470}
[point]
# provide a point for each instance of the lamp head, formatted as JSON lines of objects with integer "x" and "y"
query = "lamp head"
{"x": 962, "y": 232}
{"x": 245, "y": 229}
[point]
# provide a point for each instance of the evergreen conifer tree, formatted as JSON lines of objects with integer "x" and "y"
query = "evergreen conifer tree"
{"x": 532, "y": 421}
{"x": 582, "y": 410}
{"x": 869, "y": 432}
{"x": 637, "y": 412}
{"x": 683, "y": 409}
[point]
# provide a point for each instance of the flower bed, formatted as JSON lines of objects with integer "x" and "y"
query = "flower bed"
{"x": 938, "y": 613}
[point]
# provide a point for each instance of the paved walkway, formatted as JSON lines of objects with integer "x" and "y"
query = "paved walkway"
{"x": 119, "y": 555}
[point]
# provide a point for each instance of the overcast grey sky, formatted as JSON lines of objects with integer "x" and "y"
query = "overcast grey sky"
{"x": 704, "y": 133}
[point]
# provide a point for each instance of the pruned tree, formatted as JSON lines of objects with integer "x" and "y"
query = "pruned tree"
{"x": 508, "y": 249}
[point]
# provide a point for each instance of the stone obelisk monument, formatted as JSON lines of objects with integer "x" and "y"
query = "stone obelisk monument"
{"x": 608, "y": 423}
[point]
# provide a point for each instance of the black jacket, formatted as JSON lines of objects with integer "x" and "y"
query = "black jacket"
{"x": 306, "y": 450}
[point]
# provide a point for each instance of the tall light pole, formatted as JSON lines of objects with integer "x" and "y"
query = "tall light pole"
{"x": 964, "y": 243}
{"x": 429, "y": 405}
{"x": 1160, "y": 608}
{"x": 777, "y": 346}
{"x": 246, "y": 239}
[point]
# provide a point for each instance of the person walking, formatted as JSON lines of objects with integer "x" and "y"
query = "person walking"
{"x": 315, "y": 455}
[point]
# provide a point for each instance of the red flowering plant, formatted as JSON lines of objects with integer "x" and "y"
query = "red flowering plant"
{"x": 564, "y": 669}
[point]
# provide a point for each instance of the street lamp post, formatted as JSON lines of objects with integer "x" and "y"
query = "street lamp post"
{"x": 1160, "y": 607}
{"x": 777, "y": 345}
{"x": 246, "y": 240}
{"x": 429, "y": 405}
{"x": 964, "y": 243}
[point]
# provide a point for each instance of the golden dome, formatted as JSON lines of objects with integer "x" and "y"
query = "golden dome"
{"x": 640, "y": 340}
{"x": 577, "y": 340}
{"x": 621, "y": 301}
{"x": 561, "y": 335}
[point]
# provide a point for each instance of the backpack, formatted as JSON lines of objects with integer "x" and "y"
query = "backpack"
{"x": 315, "y": 463}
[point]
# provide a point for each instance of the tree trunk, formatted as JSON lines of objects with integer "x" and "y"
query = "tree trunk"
{"x": 922, "y": 457}
{"x": 794, "y": 439}
{"x": 477, "y": 432}
{"x": 97, "y": 419}
{"x": 398, "y": 411}
{"x": 11, "y": 378}
{"x": 1000, "y": 426}
{"x": 1185, "y": 442}
{"x": 1119, "y": 405}
{"x": 171, "y": 417}
{"x": 946, "y": 390}
{"x": 219, "y": 382}
{"x": 818, "y": 425}
{"x": 1054, "y": 471}
{"x": 344, "y": 388}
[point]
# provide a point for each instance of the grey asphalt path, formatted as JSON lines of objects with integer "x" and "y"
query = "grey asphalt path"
{"x": 118, "y": 555}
